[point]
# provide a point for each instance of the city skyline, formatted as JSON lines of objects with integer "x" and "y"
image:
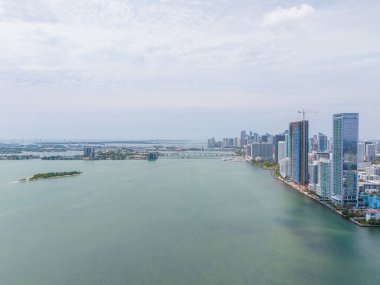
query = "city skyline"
{"x": 184, "y": 69}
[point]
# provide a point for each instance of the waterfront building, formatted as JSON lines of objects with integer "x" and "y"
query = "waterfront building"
{"x": 281, "y": 150}
{"x": 248, "y": 151}
{"x": 243, "y": 138}
{"x": 228, "y": 142}
{"x": 345, "y": 162}
{"x": 236, "y": 142}
{"x": 286, "y": 143}
{"x": 262, "y": 151}
{"x": 285, "y": 167}
{"x": 323, "y": 188}
{"x": 298, "y": 151}
{"x": 371, "y": 200}
{"x": 372, "y": 215}
{"x": 211, "y": 143}
{"x": 89, "y": 151}
{"x": 276, "y": 140}
{"x": 313, "y": 176}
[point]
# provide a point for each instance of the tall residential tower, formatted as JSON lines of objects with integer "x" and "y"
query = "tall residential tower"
{"x": 345, "y": 158}
{"x": 298, "y": 151}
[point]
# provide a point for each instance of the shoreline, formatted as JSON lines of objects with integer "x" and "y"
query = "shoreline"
{"x": 300, "y": 190}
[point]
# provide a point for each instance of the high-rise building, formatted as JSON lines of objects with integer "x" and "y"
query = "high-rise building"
{"x": 298, "y": 151}
{"x": 248, "y": 151}
{"x": 281, "y": 150}
{"x": 264, "y": 138}
{"x": 345, "y": 158}
{"x": 313, "y": 176}
{"x": 322, "y": 142}
{"x": 243, "y": 136}
{"x": 329, "y": 144}
{"x": 276, "y": 140}
{"x": 287, "y": 143}
{"x": 285, "y": 167}
{"x": 262, "y": 151}
{"x": 370, "y": 151}
{"x": 236, "y": 142}
{"x": 89, "y": 151}
{"x": 211, "y": 143}
{"x": 361, "y": 152}
{"x": 323, "y": 188}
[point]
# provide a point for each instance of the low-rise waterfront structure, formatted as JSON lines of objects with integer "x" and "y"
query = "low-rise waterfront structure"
{"x": 372, "y": 215}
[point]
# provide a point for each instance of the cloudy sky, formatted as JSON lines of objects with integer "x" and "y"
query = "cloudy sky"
{"x": 114, "y": 69}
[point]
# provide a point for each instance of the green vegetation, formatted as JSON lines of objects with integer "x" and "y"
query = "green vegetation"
{"x": 266, "y": 164}
{"x": 120, "y": 155}
{"x": 370, "y": 222}
{"x": 53, "y": 174}
{"x": 277, "y": 173}
{"x": 373, "y": 222}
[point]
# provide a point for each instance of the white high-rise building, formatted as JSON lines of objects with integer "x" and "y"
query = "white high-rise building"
{"x": 281, "y": 150}
{"x": 323, "y": 188}
{"x": 285, "y": 167}
{"x": 361, "y": 152}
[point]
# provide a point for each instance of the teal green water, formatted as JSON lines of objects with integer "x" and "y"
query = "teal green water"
{"x": 172, "y": 222}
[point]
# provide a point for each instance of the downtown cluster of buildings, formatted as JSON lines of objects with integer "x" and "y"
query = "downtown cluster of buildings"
{"x": 338, "y": 169}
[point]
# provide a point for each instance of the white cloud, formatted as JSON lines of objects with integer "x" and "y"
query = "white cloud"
{"x": 187, "y": 53}
{"x": 1, "y": 9}
{"x": 286, "y": 15}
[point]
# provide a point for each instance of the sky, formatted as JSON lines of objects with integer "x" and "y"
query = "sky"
{"x": 191, "y": 69}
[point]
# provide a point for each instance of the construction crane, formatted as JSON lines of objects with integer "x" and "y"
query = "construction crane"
{"x": 304, "y": 144}
{"x": 303, "y": 112}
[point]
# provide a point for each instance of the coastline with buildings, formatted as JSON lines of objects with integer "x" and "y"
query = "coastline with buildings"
{"x": 340, "y": 172}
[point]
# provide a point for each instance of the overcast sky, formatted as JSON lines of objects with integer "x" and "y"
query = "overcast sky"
{"x": 109, "y": 69}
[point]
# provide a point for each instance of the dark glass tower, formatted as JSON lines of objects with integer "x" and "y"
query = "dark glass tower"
{"x": 298, "y": 151}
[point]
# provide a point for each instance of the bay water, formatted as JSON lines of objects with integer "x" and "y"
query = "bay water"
{"x": 172, "y": 222}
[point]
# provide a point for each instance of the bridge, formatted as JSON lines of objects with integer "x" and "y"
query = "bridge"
{"x": 195, "y": 155}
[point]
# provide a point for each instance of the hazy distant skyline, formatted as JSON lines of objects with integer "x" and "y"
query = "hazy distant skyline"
{"x": 96, "y": 69}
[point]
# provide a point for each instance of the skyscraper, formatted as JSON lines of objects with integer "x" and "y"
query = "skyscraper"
{"x": 322, "y": 142}
{"x": 298, "y": 151}
{"x": 276, "y": 140}
{"x": 89, "y": 152}
{"x": 262, "y": 151}
{"x": 281, "y": 153}
{"x": 345, "y": 159}
{"x": 243, "y": 136}
{"x": 370, "y": 151}
{"x": 324, "y": 178}
{"x": 361, "y": 152}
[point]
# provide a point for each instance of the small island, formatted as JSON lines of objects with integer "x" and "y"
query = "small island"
{"x": 40, "y": 176}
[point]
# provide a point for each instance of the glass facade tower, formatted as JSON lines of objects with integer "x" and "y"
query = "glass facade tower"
{"x": 298, "y": 151}
{"x": 345, "y": 158}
